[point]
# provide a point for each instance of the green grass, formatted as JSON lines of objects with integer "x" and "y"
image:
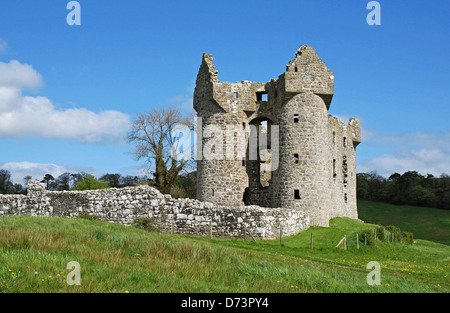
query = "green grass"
{"x": 425, "y": 223}
{"x": 34, "y": 252}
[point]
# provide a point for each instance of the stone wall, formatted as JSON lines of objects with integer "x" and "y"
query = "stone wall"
{"x": 343, "y": 138}
{"x": 187, "y": 216}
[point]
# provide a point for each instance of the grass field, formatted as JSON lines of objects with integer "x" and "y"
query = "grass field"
{"x": 425, "y": 223}
{"x": 34, "y": 253}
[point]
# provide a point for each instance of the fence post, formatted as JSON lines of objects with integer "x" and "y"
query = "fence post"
{"x": 343, "y": 238}
{"x": 312, "y": 241}
{"x": 357, "y": 241}
{"x": 365, "y": 240}
{"x": 171, "y": 228}
{"x": 245, "y": 232}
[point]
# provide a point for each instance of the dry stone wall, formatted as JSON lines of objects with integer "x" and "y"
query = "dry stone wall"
{"x": 187, "y": 216}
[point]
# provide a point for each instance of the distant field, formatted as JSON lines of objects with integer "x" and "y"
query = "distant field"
{"x": 425, "y": 223}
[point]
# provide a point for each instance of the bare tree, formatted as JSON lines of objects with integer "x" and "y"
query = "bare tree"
{"x": 156, "y": 136}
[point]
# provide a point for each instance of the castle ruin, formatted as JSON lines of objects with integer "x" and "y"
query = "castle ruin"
{"x": 314, "y": 169}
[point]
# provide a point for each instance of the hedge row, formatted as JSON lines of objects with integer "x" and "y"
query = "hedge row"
{"x": 386, "y": 234}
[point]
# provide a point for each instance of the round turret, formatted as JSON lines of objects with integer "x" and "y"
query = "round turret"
{"x": 303, "y": 171}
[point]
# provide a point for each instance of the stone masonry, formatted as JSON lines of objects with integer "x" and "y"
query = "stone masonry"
{"x": 124, "y": 205}
{"x": 314, "y": 170}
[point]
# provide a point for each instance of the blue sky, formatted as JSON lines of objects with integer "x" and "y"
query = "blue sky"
{"x": 68, "y": 92}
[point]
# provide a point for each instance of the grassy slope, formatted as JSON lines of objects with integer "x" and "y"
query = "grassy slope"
{"x": 425, "y": 223}
{"x": 35, "y": 251}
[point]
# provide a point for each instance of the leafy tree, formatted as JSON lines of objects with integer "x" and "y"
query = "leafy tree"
{"x": 186, "y": 186}
{"x": 394, "y": 177}
{"x": 369, "y": 185}
{"x": 77, "y": 177}
{"x": 18, "y": 189}
{"x": 6, "y": 186}
{"x": 47, "y": 180}
{"x": 26, "y": 179}
{"x": 90, "y": 183}
{"x": 128, "y": 180}
{"x": 362, "y": 186}
{"x": 63, "y": 182}
{"x": 408, "y": 188}
{"x": 113, "y": 180}
{"x": 421, "y": 195}
{"x": 388, "y": 191}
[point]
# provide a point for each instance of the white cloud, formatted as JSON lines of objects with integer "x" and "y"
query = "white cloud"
{"x": 19, "y": 170}
{"x": 19, "y": 76}
{"x": 425, "y": 152}
{"x": 26, "y": 116}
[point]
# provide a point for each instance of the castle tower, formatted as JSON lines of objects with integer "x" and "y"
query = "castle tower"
{"x": 221, "y": 176}
{"x": 301, "y": 181}
{"x": 311, "y": 157}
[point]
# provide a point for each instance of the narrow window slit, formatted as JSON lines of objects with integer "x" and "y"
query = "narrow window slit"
{"x": 334, "y": 167}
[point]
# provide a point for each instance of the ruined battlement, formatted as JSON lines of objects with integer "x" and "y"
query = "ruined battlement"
{"x": 314, "y": 168}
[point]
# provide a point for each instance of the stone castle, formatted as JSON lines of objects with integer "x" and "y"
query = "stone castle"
{"x": 301, "y": 174}
{"x": 314, "y": 170}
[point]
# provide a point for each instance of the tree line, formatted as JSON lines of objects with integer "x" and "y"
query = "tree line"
{"x": 184, "y": 185}
{"x": 69, "y": 181}
{"x": 409, "y": 188}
